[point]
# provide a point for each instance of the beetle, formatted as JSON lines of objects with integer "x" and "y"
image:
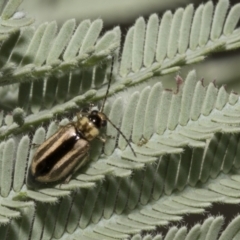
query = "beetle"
{"x": 67, "y": 150}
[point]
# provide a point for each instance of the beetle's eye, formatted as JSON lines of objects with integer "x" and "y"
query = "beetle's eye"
{"x": 95, "y": 119}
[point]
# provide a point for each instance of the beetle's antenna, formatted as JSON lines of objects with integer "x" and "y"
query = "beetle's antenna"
{"x": 122, "y": 135}
{"x": 102, "y": 107}
{"x": 109, "y": 83}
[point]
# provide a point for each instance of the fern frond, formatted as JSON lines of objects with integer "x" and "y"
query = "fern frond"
{"x": 210, "y": 229}
{"x": 49, "y": 51}
{"x": 152, "y": 55}
{"x": 178, "y": 136}
{"x": 183, "y": 38}
{"x": 11, "y": 20}
{"x": 183, "y": 153}
{"x": 41, "y": 53}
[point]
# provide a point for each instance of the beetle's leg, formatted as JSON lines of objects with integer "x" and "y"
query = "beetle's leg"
{"x": 88, "y": 108}
{"x": 102, "y": 139}
{"x": 34, "y": 145}
{"x": 91, "y": 105}
{"x": 67, "y": 179}
{"x": 82, "y": 163}
{"x": 57, "y": 121}
{"x": 107, "y": 136}
{"x": 142, "y": 141}
{"x": 81, "y": 115}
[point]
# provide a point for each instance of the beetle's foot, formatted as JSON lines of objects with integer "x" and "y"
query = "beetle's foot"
{"x": 142, "y": 142}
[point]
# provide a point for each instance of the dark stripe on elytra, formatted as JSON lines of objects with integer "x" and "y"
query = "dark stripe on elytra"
{"x": 70, "y": 159}
{"x": 50, "y": 144}
{"x": 49, "y": 162}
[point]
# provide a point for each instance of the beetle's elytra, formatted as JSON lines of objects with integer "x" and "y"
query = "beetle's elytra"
{"x": 67, "y": 150}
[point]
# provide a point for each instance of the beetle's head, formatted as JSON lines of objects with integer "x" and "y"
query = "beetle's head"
{"x": 98, "y": 119}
